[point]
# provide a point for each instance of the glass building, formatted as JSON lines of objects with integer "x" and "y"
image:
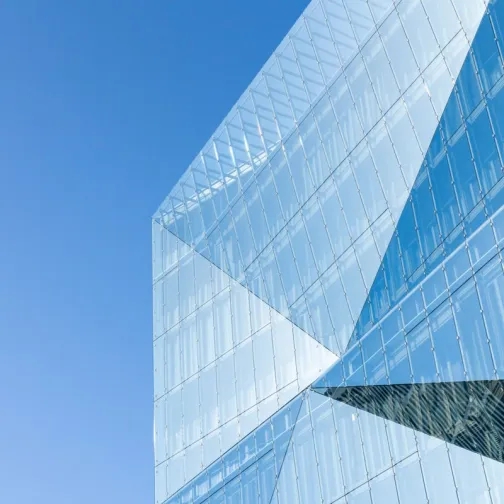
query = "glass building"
{"x": 328, "y": 273}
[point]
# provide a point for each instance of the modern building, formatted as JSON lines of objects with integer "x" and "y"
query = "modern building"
{"x": 328, "y": 277}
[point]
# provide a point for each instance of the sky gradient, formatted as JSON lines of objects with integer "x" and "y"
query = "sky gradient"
{"x": 103, "y": 105}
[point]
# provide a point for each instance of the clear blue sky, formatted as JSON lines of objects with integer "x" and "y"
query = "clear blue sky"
{"x": 103, "y": 104}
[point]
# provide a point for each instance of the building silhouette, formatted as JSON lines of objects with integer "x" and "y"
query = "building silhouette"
{"x": 328, "y": 277}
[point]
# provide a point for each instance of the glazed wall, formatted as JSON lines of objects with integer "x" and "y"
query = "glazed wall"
{"x": 337, "y": 241}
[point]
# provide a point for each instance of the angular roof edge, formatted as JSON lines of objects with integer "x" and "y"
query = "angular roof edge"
{"x": 325, "y": 37}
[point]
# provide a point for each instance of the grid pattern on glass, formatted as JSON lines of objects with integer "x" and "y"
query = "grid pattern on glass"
{"x": 325, "y": 36}
{"x": 224, "y": 361}
{"x": 267, "y": 226}
{"x": 320, "y": 212}
{"x": 249, "y": 468}
{"x": 448, "y": 328}
{"x": 458, "y": 183}
{"x": 346, "y": 455}
{"x": 336, "y": 453}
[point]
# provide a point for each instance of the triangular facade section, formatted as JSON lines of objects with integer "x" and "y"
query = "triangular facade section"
{"x": 459, "y": 180}
{"x": 467, "y": 414}
{"x": 224, "y": 361}
{"x": 247, "y": 472}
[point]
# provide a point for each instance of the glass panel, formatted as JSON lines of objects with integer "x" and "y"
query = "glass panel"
{"x": 439, "y": 82}
{"x": 175, "y": 473}
{"x": 298, "y": 168}
{"x": 398, "y": 50}
{"x": 314, "y": 151}
{"x": 327, "y": 452}
{"x": 346, "y": 113}
{"x": 443, "y": 19}
{"x": 192, "y": 418}
{"x": 240, "y": 314}
{"x": 446, "y": 346}
{"x": 245, "y": 383}
{"x": 469, "y": 14}
{"x": 169, "y": 297}
{"x": 410, "y": 486}
{"x": 363, "y": 94}
{"x": 359, "y": 496}
{"x": 302, "y": 251}
{"x": 389, "y": 173}
{"x": 469, "y": 476}
{"x": 444, "y": 196}
{"x": 380, "y": 73}
{"x": 283, "y": 348}
{"x": 495, "y": 106}
{"x": 376, "y": 449}
{"x": 162, "y": 442}
{"x": 230, "y": 246}
{"x": 259, "y": 312}
{"x": 206, "y": 339}
{"x": 175, "y": 433}
{"x": 249, "y": 485}
{"x": 438, "y": 476}
{"x": 189, "y": 341}
{"x": 329, "y": 132}
{"x": 402, "y": 441}
{"x": 468, "y": 87}
{"x": 318, "y": 237}
{"x": 222, "y": 321}
{"x": 352, "y": 281}
{"x": 320, "y": 319}
{"x": 495, "y": 476}
{"x": 287, "y": 483}
{"x": 368, "y": 183}
{"x": 173, "y": 358}
{"x": 466, "y": 182}
{"x": 226, "y": 386}
{"x": 361, "y": 19}
{"x": 264, "y": 365}
{"x": 367, "y": 254}
{"x": 398, "y": 361}
{"x": 487, "y": 55}
{"x": 333, "y": 217}
{"x": 471, "y": 329}
{"x": 422, "y": 357}
{"x": 376, "y": 369}
{"x": 486, "y": 156}
{"x": 405, "y": 142}
{"x": 408, "y": 238}
{"x": 243, "y": 232}
{"x": 490, "y": 282}
{"x": 266, "y": 470}
{"x": 423, "y": 116}
{"x": 350, "y": 443}
{"x": 208, "y": 399}
{"x": 425, "y": 213}
{"x": 187, "y": 299}
{"x": 383, "y": 488}
{"x": 272, "y": 280}
{"x": 350, "y": 200}
{"x": 306, "y": 463}
{"x": 233, "y": 492}
{"x": 287, "y": 267}
{"x": 269, "y": 197}
{"x": 419, "y": 32}
{"x": 284, "y": 185}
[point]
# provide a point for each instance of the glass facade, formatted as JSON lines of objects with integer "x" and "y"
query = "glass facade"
{"x": 328, "y": 273}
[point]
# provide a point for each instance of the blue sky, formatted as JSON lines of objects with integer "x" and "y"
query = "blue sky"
{"x": 103, "y": 104}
